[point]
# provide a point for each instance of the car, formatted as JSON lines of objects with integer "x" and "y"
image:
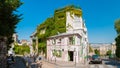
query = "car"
{"x": 112, "y": 56}
{"x": 95, "y": 59}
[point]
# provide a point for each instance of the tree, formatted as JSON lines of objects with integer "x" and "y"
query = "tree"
{"x": 8, "y": 21}
{"x": 97, "y": 52}
{"x": 21, "y": 49}
{"x": 109, "y": 52}
{"x": 117, "y": 26}
{"x": 117, "y": 39}
{"x": 90, "y": 49}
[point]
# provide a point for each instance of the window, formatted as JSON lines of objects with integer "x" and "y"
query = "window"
{"x": 71, "y": 40}
{"x": 57, "y": 53}
{"x": 59, "y": 40}
{"x": 54, "y": 41}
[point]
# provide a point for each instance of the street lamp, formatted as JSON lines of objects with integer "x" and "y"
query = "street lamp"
{"x": 75, "y": 56}
{"x": 55, "y": 59}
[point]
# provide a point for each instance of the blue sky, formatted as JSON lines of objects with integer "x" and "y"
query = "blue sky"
{"x": 99, "y": 16}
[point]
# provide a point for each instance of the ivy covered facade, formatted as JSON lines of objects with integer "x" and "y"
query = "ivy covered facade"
{"x": 71, "y": 44}
{"x": 63, "y": 35}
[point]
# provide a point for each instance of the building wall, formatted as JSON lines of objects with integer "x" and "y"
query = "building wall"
{"x": 79, "y": 51}
{"x": 104, "y": 47}
{"x": 74, "y": 24}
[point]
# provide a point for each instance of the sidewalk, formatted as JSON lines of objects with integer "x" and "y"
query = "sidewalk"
{"x": 62, "y": 64}
{"x": 42, "y": 64}
{"x": 57, "y": 64}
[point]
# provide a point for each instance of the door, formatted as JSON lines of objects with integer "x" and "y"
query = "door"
{"x": 70, "y": 54}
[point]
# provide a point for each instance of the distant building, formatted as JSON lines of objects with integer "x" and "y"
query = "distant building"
{"x": 15, "y": 37}
{"x": 73, "y": 44}
{"x": 34, "y": 41}
{"x": 33, "y": 37}
{"x": 104, "y": 47}
{"x": 24, "y": 41}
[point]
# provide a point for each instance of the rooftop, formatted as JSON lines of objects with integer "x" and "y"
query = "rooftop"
{"x": 63, "y": 34}
{"x": 69, "y": 7}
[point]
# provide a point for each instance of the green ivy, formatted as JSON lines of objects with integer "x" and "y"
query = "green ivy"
{"x": 21, "y": 49}
{"x": 55, "y": 24}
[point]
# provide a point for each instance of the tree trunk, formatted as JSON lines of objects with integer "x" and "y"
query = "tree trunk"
{"x": 3, "y": 52}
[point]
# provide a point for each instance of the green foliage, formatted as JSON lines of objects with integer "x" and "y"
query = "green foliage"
{"x": 90, "y": 49}
{"x": 109, "y": 52}
{"x": 57, "y": 53}
{"x": 117, "y": 26}
{"x": 117, "y": 39}
{"x": 8, "y": 18}
{"x": 73, "y": 9}
{"x": 97, "y": 52}
{"x": 118, "y": 46}
{"x": 42, "y": 47}
{"x": 21, "y": 49}
{"x": 54, "y": 24}
{"x": 60, "y": 22}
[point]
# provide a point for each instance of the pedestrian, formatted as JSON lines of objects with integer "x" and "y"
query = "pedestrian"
{"x": 10, "y": 60}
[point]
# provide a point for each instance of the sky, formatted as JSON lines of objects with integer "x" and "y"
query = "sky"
{"x": 99, "y": 16}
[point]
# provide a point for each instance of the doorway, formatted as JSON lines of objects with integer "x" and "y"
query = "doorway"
{"x": 70, "y": 54}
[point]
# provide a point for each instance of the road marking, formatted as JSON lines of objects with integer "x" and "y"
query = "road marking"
{"x": 110, "y": 66}
{"x": 96, "y": 66}
{"x": 92, "y": 66}
{"x": 101, "y": 66}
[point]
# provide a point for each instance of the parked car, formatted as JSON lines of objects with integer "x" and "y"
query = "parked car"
{"x": 112, "y": 56}
{"x": 95, "y": 59}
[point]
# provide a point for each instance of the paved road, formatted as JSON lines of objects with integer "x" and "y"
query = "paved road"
{"x": 48, "y": 65}
{"x": 19, "y": 63}
{"x": 106, "y": 64}
{"x": 53, "y": 64}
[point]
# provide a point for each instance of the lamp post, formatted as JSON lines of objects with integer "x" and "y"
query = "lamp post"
{"x": 55, "y": 60}
{"x": 75, "y": 56}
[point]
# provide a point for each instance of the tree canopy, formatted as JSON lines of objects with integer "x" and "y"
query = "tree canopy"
{"x": 21, "y": 49}
{"x": 117, "y": 39}
{"x": 97, "y": 52}
{"x": 117, "y": 26}
{"x": 109, "y": 52}
{"x": 8, "y": 21}
{"x": 9, "y": 18}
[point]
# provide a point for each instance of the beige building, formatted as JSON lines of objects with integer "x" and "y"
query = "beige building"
{"x": 104, "y": 47}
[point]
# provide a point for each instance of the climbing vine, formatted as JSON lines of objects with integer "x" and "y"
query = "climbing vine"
{"x": 55, "y": 24}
